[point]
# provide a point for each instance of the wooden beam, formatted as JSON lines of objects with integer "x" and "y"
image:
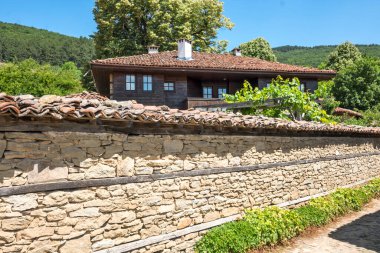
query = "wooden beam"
{"x": 23, "y": 189}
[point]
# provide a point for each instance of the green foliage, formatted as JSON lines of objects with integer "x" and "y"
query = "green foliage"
{"x": 371, "y": 118}
{"x": 272, "y": 225}
{"x": 19, "y": 43}
{"x": 259, "y": 48}
{"x": 358, "y": 85}
{"x": 324, "y": 93}
{"x": 314, "y": 56}
{"x": 294, "y": 104}
{"x": 128, "y": 27}
{"x": 220, "y": 47}
{"x": 343, "y": 56}
{"x": 29, "y": 77}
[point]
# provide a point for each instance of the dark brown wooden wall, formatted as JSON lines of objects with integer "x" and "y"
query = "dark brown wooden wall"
{"x": 175, "y": 99}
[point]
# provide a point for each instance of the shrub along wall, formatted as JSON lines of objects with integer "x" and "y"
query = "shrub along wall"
{"x": 91, "y": 192}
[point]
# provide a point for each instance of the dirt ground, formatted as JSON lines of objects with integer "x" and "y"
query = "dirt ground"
{"x": 355, "y": 232}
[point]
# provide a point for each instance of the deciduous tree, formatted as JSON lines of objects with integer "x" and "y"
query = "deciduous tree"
{"x": 29, "y": 77}
{"x": 259, "y": 48}
{"x": 358, "y": 85}
{"x": 344, "y": 55}
{"x": 128, "y": 27}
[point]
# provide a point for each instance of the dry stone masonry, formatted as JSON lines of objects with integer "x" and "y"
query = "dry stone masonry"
{"x": 86, "y": 174}
{"x": 98, "y": 217}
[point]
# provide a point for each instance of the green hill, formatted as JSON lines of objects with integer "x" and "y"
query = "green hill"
{"x": 19, "y": 42}
{"x": 313, "y": 56}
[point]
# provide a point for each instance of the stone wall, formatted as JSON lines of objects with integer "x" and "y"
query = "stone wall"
{"x": 87, "y": 192}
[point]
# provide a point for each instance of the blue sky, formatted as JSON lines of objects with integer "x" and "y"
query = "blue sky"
{"x": 281, "y": 22}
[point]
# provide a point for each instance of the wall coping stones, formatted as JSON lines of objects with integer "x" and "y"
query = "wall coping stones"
{"x": 92, "y": 107}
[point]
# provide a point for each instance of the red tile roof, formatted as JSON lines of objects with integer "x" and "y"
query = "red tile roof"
{"x": 207, "y": 61}
{"x": 343, "y": 111}
{"x": 77, "y": 107}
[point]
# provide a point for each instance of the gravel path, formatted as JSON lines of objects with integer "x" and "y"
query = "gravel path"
{"x": 355, "y": 232}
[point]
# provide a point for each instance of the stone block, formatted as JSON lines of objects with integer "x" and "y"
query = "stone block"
{"x": 144, "y": 171}
{"x": 15, "y": 224}
{"x": 173, "y": 146}
{"x": 42, "y": 174}
{"x": 86, "y": 212}
{"x": 230, "y": 211}
{"x": 89, "y": 143}
{"x": 22, "y": 202}
{"x": 100, "y": 171}
{"x": 56, "y": 215}
{"x": 33, "y": 233}
{"x": 126, "y": 167}
{"x": 104, "y": 244}
{"x": 211, "y": 216}
{"x": 92, "y": 223}
{"x": 82, "y": 245}
{"x": 81, "y": 196}
{"x": 6, "y": 237}
{"x": 55, "y": 199}
{"x": 3, "y": 144}
{"x": 122, "y": 217}
{"x": 184, "y": 223}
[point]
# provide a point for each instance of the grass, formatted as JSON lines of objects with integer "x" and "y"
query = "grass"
{"x": 272, "y": 225}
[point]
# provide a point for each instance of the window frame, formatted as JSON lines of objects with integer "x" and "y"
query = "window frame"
{"x": 169, "y": 82}
{"x": 220, "y": 96}
{"x": 149, "y": 84}
{"x": 302, "y": 87}
{"x": 130, "y": 82}
{"x": 209, "y": 88}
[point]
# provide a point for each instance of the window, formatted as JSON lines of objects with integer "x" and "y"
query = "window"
{"x": 301, "y": 87}
{"x": 147, "y": 82}
{"x": 207, "y": 92}
{"x": 130, "y": 82}
{"x": 169, "y": 86}
{"x": 221, "y": 91}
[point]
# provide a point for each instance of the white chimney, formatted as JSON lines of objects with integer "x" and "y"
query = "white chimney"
{"x": 236, "y": 51}
{"x": 153, "y": 49}
{"x": 184, "y": 49}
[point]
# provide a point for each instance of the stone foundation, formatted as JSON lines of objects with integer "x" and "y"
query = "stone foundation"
{"x": 89, "y": 192}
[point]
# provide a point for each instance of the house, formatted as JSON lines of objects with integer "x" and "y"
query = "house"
{"x": 183, "y": 78}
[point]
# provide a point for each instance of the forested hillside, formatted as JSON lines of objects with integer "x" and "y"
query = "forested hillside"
{"x": 313, "y": 56}
{"x": 19, "y": 42}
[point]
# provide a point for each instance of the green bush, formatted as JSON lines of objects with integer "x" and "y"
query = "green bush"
{"x": 272, "y": 225}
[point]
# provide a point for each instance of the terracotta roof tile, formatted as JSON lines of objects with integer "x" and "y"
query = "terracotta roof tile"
{"x": 207, "y": 61}
{"x": 71, "y": 107}
{"x": 344, "y": 111}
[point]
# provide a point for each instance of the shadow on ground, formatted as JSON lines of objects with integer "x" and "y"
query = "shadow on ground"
{"x": 363, "y": 232}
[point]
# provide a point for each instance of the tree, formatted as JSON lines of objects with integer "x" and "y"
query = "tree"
{"x": 358, "y": 85}
{"x": 258, "y": 48}
{"x": 324, "y": 93}
{"x": 343, "y": 55}
{"x": 128, "y": 27}
{"x": 293, "y": 103}
{"x": 29, "y": 77}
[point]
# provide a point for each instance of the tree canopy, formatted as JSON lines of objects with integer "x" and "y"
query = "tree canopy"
{"x": 314, "y": 56}
{"x": 19, "y": 43}
{"x": 29, "y": 77}
{"x": 128, "y": 27}
{"x": 343, "y": 56}
{"x": 258, "y": 48}
{"x": 358, "y": 85}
